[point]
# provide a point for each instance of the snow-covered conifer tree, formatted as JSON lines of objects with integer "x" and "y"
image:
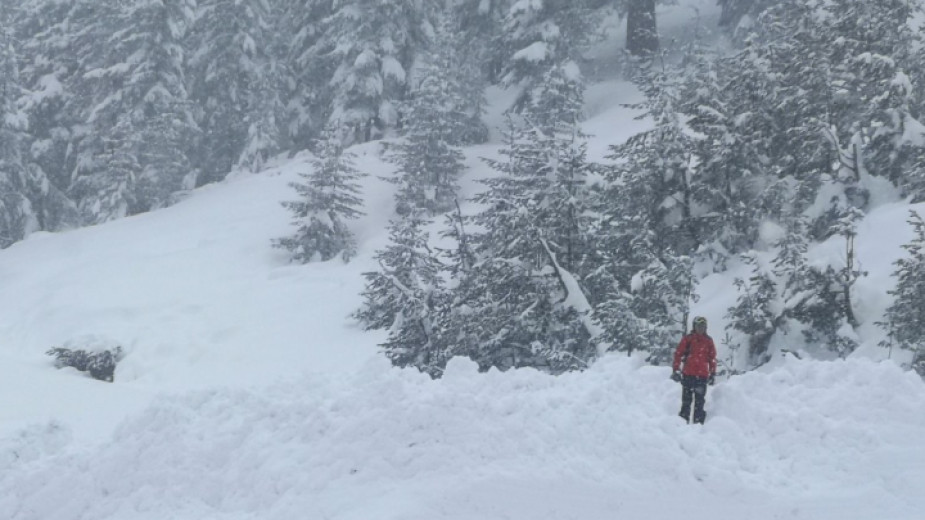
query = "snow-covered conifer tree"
{"x": 139, "y": 81}
{"x": 525, "y": 305}
{"x": 538, "y": 37}
{"x": 370, "y": 47}
{"x": 235, "y": 81}
{"x": 15, "y": 210}
{"x": 330, "y": 196}
{"x": 903, "y": 320}
{"x": 821, "y": 94}
{"x": 437, "y": 118}
{"x": 641, "y": 28}
{"x": 479, "y": 23}
{"x": 407, "y": 297}
{"x": 647, "y": 231}
{"x": 756, "y": 313}
{"x": 46, "y": 33}
{"x": 307, "y": 68}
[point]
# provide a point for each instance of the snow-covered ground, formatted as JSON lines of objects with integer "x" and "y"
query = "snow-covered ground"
{"x": 247, "y": 393}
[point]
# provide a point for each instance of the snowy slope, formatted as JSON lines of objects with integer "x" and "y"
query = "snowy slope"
{"x": 247, "y": 393}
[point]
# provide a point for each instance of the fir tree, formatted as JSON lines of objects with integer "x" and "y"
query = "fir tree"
{"x": 407, "y": 297}
{"x": 15, "y": 211}
{"x": 756, "y": 313}
{"x": 903, "y": 319}
{"x": 437, "y": 119}
{"x": 307, "y": 68}
{"x": 791, "y": 268}
{"x": 538, "y": 37}
{"x": 370, "y": 46}
{"x": 114, "y": 193}
{"x": 647, "y": 231}
{"x": 140, "y": 81}
{"x": 524, "y": 305}
{"x": 45, "y": 32}
{"x": 330, "y": 197}
{"x": 641, "y": 28}
{"x": 236, "y": 82}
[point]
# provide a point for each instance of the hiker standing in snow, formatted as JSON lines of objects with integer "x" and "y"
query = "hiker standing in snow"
{"x": 694, "y": 367}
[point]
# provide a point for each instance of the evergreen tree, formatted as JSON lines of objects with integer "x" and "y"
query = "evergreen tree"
{"x": 236, "y": 82}
{"x": 140, "y": 83}
{"x": 790, "y": 266}
{"x": 305, "y": 71}
{"x": 558, "y": 100}
{"x": 370, "y": 46}
{"x": 451, "y": 65}
{"x": 756, "y": 313}
{"x": 903, "y": 319}
{"x": 647, "y": 231}
{"x": 478, "y": 24}
{"x": 437, "y": 119}
{"x": 641, "y": 28}
{"x": 819, "y": 96}
{"x": 524, "y": 306}
{"x": 45, "y": 34}
{"x": 114, "y": 193}
{"x": 538, "y": 37}
{"x": 15, "y": 210}
{"x": 648, "y": 192}
{"x": 408, "y": 298}
{"x": 329, "y": 198}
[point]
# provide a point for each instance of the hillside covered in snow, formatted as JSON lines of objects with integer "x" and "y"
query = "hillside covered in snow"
{"x": 248, "y": 390}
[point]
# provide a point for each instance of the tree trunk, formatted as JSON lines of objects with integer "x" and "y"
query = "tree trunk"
{"x": 641, "y": 31}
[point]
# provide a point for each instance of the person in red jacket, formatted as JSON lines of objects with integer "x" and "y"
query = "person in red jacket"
{"x": 694, "y": 367}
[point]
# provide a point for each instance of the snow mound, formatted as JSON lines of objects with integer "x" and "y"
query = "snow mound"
{"x": 817, "y": 437}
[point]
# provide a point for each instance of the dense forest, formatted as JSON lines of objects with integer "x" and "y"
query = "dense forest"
{"x": 110, "y": 109}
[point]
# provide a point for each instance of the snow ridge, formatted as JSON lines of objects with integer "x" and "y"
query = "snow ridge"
{"x": 388, "y": 443}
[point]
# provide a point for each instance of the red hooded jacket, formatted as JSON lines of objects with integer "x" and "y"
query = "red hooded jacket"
{"x": 698, "y": 354}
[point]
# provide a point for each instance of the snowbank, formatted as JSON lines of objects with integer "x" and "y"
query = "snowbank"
{"x": 808, "y": 440}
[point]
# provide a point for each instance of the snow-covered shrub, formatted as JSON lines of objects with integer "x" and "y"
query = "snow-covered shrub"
{"x": 99, "y": 357}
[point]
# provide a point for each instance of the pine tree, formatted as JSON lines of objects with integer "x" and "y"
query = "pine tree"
{"x": 756, "y": 313}
{"x": 479, "y": 24}
{"x": 44, "y": 33}
{"x": 307, "y": 69}
{"x": 648, "y": 192}
{"x": 329, "y": 198}
{"x": 114, "y": 194}
{"x": 820, "y": 95}
{"x": 647, "y": 231}
{"x": 370, "y": 46}
{"x": 437, "y": 119}
{"x": 451, "y": 59}
{"x": 139, "y": 82}
{"x": 641, "y": 28}
{"x": 903, "y": 319}
{"x": 538, "y": 37}
{"x": 235, "y": 80}
{"x": 15, "y": 211}
{"x": 407, "y": 297}
{"x": 524, "y": 305}
{"x": 791, "y": 268}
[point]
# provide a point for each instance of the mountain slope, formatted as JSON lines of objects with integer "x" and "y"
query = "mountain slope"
{"x": 247, "y": 393}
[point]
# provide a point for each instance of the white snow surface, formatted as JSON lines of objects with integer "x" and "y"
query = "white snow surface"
{"x": 247, "y": 393}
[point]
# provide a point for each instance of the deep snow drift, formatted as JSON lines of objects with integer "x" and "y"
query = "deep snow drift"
{"x": 808, "y": 440}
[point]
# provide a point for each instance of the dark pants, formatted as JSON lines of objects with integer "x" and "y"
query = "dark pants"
{"x": 694, "y": 389}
